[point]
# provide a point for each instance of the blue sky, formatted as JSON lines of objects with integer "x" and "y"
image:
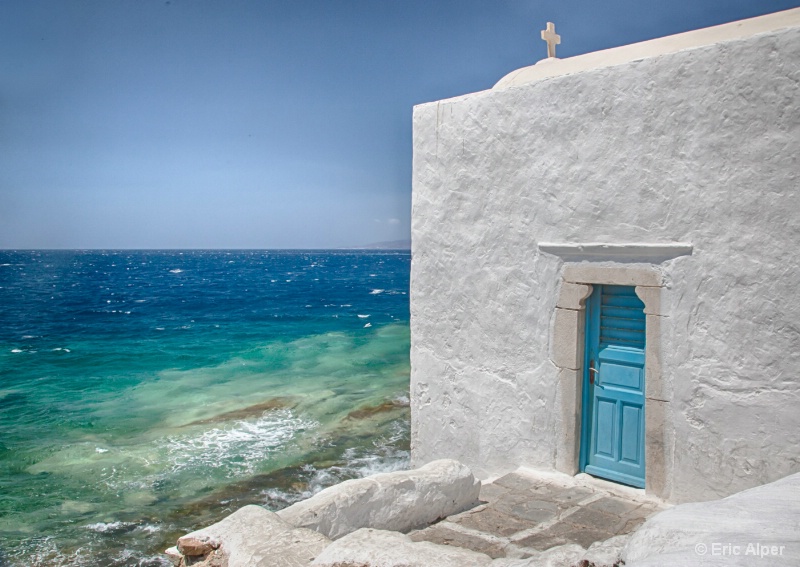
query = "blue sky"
{"x": 258, "y": 124}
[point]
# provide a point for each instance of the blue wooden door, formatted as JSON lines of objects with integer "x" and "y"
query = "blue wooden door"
{"x": 613, "y": 427}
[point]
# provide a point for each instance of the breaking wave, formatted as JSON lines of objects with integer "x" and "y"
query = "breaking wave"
{"x": 387, "y": 454}
{"x": 236, "y": 449}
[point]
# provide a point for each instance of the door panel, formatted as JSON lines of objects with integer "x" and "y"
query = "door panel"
{"x": 631, "y": 418}
{"x": 620, "y": 376}
{"x": 612, "y": 443}
{"x": 604, "y": 427}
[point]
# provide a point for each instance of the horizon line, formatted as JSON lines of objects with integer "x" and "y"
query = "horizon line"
{"x": 344, "y": 248}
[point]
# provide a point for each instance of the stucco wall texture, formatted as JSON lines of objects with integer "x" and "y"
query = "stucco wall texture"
{"x": 699, "y": 146}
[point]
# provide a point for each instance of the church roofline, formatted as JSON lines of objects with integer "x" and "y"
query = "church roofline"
{"x": 547, "y": 68}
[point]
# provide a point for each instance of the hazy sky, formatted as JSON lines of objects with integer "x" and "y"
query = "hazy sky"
{"x": 259, "y": 124}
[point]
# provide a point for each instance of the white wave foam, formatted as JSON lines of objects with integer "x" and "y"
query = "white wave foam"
{"x": 150, "y": 528}
{"x": 363, "y": 316}
{"x": 60, "y": 349}
{"x": 109, "y": 527}
{"x": 133, "y": 557}
{"x": 16, "y": 350}
{"x": 368, "y": 325}
{"x": 45, "y": 550}
{"x": 100, "y": 450}
{"x": 376, "y": 291}
{"x": 384, "y": 456}
{"x": 236, "y": 449}
{"x": 402, "y": 399}
{"x": 176, "y": 271}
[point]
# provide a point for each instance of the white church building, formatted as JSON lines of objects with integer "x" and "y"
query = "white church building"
{"x": 606, "y": 265}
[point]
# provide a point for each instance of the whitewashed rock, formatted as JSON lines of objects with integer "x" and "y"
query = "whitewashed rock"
{"x": 505, "y": 562}
{"x": 732, "y": 531}
{"x": 568, "y": 554}
{"x": 255, "y": 537}
{"x": 398, "y": 501}
{"x": 174, "y": 556}
{"x": 378, "y": 548}
{"x": 606, "y": 553}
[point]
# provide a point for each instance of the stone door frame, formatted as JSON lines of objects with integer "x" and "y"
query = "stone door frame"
{"x": 567, "y": 350}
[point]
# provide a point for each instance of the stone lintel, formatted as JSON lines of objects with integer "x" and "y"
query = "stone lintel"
{"x": 612, "y": 275}
{"x": 626, "y": 252}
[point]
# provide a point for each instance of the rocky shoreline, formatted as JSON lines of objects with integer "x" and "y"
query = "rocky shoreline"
{"x": 365, "y": 522}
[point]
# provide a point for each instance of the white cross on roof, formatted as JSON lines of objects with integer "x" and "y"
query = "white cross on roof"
{"x": 552, "y": 39}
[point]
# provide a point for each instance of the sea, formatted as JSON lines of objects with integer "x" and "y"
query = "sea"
{"x": 145, "y": 394}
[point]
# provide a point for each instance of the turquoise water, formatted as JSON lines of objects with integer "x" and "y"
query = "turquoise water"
{"x": 146, "y": 394}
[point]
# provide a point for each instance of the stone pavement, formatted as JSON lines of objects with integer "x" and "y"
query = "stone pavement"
{"x": 523, "y": 514}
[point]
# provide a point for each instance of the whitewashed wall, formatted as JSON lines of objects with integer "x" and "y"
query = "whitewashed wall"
{"x": 698, "y": 146}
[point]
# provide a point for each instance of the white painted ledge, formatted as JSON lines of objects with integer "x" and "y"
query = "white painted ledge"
{"x": 630, "y": 252}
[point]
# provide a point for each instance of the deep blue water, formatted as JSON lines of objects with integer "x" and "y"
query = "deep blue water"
{"x": 147, "y": 393}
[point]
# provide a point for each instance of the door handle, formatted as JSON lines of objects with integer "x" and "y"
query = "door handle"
{"x": 592, "y": 372}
